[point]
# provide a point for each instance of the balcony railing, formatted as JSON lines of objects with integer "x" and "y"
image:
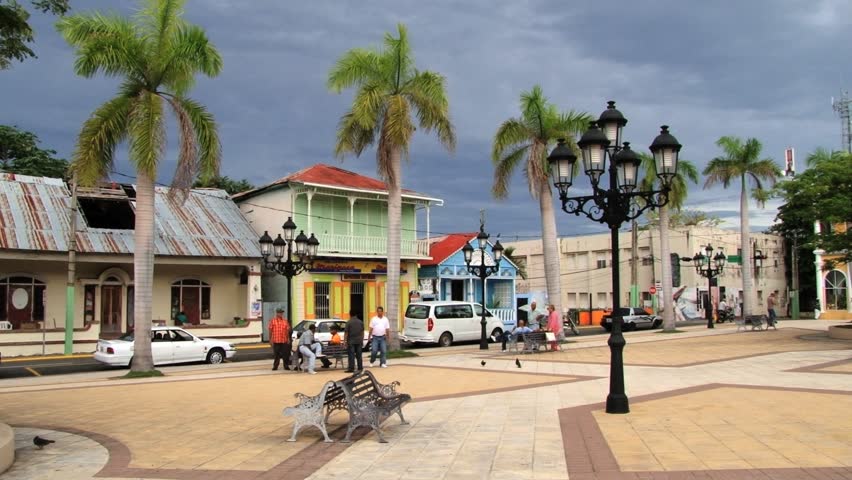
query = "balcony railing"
{"x": 369, "y": 246}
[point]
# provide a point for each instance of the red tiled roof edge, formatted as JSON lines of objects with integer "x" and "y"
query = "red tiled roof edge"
{"x": 450, "y": 244}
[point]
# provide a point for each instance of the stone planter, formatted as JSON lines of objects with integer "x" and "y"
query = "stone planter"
{"x": 843, "y": 332}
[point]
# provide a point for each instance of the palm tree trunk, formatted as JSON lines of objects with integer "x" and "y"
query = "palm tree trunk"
{"x": 550, "y": 246}
{"x": 143, "y": 273}
{"x": 745, "y": 245}
{"x": 666, "y": 264}
{"x": 394, "y": 226}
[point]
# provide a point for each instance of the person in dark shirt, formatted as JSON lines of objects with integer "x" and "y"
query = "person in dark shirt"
{"x": 354, "y": 337}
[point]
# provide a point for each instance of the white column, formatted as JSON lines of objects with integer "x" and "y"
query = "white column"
{"x": 310, "y": 196}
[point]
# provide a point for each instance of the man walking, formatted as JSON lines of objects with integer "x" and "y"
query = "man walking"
{"x": 279, "y": 338}
{"x": 379, "y": 329}
{"x": 770, "y": 307}
{"x": 354, "y": 335}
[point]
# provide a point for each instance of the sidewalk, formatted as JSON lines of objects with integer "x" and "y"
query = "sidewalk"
{"x": 704, "y": 404}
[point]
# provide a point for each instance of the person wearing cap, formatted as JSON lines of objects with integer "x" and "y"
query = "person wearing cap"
{"x": 279, "y": 339}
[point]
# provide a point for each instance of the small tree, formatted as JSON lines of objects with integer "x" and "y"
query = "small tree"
{"x": 15, "y": 30}
{"x": 19, "y": 153}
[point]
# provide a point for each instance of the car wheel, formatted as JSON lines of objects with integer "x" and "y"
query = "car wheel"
{"x": 496, "y": 334}
{"x": 446, "y": 339}
{"x": 130, "y": 363}
{"x": 217, "y": 355}
{"x": 657, "y": 324}
{"x": 629, "y": 327}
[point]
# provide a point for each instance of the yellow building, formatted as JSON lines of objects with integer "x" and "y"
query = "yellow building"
{"x": 832, "y": 286}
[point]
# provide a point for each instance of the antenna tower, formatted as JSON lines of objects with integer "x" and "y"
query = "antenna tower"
{"x": 841, "y": 106}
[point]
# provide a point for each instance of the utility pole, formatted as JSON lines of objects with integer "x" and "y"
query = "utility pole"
{"x": 794, "y": 292}
{"x": 72, "y": 270}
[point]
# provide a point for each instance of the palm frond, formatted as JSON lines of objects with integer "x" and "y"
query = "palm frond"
{"x": 503, "y": 170}
{"x": 352, "y": 137}
{"x": 720, "y": 170}
{"x": 368, "y": 104}
{"x": 161, "y": 19}
{"x": 147, "y": 133}
{"x": 188, "y": 53}
{"x": 511, "y": 133}
{"x": 397, "y": 58}
{"x": 427, "y": 93}
{"x": 200, "y": 150}
{"x": 108, "y": 44}
{"x": 535, "y": 110}
{"x": 101, "y": 133}
{"x": 354, "y": 68}
{"x": 398, "y": 129}
{"x": 569, "y": 125}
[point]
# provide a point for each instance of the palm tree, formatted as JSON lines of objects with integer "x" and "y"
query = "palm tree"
{"x": 526, "y": 139}
{"x": 389, "y": 89}
{"x": 157, "y": 55}
{"x": 686, "y": 171}
{"x": 742, "y": 161}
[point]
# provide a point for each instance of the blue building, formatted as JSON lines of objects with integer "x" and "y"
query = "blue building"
{"x": 445, "y": 276}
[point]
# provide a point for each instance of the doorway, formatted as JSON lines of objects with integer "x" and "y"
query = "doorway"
{"x": 111, "y": 309}
{"x": 356, "y": 298}
{"x": 457, "y": 290}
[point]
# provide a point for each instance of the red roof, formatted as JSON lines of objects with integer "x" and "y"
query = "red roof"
{"x": 443, "y": 248}
{"x": 327, "y": 175}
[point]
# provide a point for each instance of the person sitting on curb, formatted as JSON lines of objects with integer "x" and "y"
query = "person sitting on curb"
{"x": 312, "y": 349}
{"x": 517, "y": 333}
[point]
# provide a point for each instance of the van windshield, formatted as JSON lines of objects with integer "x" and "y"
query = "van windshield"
{"x": 419, "y": 312}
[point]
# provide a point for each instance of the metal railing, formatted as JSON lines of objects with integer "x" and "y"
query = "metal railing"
{"x": 361, "y": 245}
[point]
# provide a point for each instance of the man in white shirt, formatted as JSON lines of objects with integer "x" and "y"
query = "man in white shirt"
{"x": 379, "y": 330}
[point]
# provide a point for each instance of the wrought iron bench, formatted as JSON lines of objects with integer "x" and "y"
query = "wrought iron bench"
{"x": 314, "y": 411}
{"x": 535, "y": 342}
{"x": 756, "y": 322}
{"x": 336, "y": 351}
{"x": 369, "y": 402}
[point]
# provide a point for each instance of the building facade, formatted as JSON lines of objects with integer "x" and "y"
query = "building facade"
{"x": 347, "y": 213}
{"x": 832, "y": 284}
{"x": 206, "y": 264}
{"x": 445, "y": 276}
{"x": 586, "y": 268}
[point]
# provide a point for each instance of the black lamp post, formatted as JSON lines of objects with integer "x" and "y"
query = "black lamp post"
{"x": 708, "y": 266}
{"x": 483, "y": 271}
{"x": 306, "y": 251}
{"x": 613, "y": 206}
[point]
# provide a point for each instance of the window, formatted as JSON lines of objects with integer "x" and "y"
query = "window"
{"x": 501, "y": 297}
{"x": 22, "y": 301}
{"x": 835, "y": 290}
{"x": 108, "y": 213}
{"x": 601, "y": 260}
{"x": 453, "y": 311}
{"x": 192, "y": 297}
{"x": 322, "y": 303}
{"x": 89, "y": 303}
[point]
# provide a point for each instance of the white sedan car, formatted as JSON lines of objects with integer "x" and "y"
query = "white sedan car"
{"x": 168, "y": 345}
{"x": 323, "y": 333}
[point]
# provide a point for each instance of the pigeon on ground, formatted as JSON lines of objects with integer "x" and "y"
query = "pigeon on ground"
{"x": 518, "y": 363}
{"x": 42, "y": 442}
{"x": 482, "y": 363}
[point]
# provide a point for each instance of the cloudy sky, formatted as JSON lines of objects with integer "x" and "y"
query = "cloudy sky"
{"x": 763, "y": 68}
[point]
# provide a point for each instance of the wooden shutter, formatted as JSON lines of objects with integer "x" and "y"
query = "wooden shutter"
{"x": 308, "y": 289}
{"x": 370, "y": 296}
{"x": 337, "y": 300}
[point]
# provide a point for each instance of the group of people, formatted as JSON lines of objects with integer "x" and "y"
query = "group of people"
{"x": 310, "y": 348}
{"x": 552, "y": 322}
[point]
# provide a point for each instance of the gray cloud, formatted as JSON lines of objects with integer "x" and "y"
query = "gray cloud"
{"x": 763, "y": 69}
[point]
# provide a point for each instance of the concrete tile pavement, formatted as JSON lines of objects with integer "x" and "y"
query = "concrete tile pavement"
{"x": 495, "y": 421}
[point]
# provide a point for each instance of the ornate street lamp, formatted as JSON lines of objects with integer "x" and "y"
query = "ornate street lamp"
{"x": 482, "y": 270}
{"x": 613, "y": 205}
{"x": 283, "y": 263}
{"x": 708, "y": 266}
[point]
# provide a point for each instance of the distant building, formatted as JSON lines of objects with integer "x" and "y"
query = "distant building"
{"x": 832, "y": 285}
{"x": 586, "y": 268}
{"x": 206, "y": 264}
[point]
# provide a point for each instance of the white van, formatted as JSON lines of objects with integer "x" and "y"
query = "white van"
{"x": 445, "y": 322}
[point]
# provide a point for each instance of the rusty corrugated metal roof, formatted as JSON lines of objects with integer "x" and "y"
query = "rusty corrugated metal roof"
{"x": 34, "y": 216}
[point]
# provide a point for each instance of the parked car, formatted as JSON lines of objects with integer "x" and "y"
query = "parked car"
{"x": 323, "y": 333}
{"x": 633, "y": 318}
{"x": 168, "y": 345}
{"x": 445, "y": 322}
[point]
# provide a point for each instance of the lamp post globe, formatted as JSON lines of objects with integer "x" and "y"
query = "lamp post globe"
{"x": 613, "y": 205}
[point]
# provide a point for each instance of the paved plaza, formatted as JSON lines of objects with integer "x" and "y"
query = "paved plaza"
{"x": 705, "y": 404}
